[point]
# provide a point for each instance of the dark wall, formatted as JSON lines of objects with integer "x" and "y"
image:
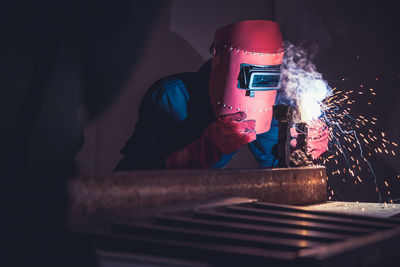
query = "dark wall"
{"x": 56, "y": 57}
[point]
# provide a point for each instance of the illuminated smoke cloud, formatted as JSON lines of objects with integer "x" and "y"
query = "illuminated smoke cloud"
{"x": 302, "y": 85}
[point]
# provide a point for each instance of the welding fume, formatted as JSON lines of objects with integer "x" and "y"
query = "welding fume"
{"x": 201, "y": 119}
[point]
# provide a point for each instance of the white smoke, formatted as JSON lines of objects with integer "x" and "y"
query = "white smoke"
{"x": 302, "y": 85}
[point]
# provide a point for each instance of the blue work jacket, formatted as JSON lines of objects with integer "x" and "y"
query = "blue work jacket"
{"x": 174, "y": 112}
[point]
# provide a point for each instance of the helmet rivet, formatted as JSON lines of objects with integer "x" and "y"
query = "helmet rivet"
{"x": 213, "y": 51}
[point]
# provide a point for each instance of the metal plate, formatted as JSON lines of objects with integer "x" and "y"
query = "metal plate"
{"x": 255, "y": 233}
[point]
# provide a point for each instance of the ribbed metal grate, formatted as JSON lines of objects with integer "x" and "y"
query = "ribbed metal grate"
{"x": 259, "y": 233}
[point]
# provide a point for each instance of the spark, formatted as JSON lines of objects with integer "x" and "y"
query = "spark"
{"x": 352, "y": 136}
{"x": 352, "y": 133}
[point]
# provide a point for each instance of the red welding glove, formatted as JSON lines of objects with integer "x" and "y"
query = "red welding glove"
{"x": 223, "y": 136}
{"x": 318, "y": 138}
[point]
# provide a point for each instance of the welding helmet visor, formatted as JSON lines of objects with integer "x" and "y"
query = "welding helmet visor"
{"x": 258, "y": 78}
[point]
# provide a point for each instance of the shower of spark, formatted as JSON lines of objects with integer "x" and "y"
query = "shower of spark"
{"x": 352, "y": 138}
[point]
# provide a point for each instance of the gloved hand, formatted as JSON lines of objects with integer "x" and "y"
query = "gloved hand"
{"x": 318, "y": 138}
{"x": 223, "y": 136}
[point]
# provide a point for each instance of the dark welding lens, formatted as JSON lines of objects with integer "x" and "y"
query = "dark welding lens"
{"x": 263, "y": 80}
{"x": 258, "y": 78}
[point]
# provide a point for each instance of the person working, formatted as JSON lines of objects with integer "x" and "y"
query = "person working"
{"x": 200, "y": 120}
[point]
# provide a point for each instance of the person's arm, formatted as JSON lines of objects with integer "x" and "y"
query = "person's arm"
{"x": 264, "y": 148}
{"x": 161, "y": 112}
{"x": 223, "y": 136}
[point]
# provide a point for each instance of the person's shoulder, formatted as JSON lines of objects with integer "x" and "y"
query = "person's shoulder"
{"x": 171, "y": 86}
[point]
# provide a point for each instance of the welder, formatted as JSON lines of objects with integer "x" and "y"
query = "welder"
{"x": 200, "y": 120}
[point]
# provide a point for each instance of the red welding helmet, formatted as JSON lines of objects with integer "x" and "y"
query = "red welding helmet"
{"x": 245, "y": 70}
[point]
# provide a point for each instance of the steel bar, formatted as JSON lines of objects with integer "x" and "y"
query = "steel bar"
{"x": 287, "y": 223}
{"x": 213, "y": 237}
{"x": 139, "y": 189}
{"x": 283, "y": 207}
{"x": 215, "y": 253}
{"x": 236, "y": 227}
{"x": 309, "y": 217}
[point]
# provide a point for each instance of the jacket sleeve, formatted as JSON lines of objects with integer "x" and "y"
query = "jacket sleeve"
{"x": 162, "y": 109}
{"x": 265, "y": 147}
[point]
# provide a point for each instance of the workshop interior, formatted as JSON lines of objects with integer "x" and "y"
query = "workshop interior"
{"x": 200, "y": 133}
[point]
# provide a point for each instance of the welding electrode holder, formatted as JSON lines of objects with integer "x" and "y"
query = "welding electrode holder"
{"x": 300, "y": 156}
{"x": 288, "y": 156}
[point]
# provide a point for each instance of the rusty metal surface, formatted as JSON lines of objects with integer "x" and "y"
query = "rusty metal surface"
{"x": 137, "y": 189}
